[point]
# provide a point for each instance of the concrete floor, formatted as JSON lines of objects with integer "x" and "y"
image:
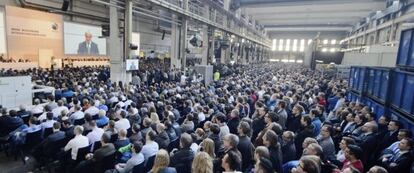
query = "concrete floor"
{"x": 9, "y": 165}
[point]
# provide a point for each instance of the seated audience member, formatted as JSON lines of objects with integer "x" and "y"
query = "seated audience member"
{"x": 352, "y": 158}
{"x": 389, "y": 137}
{"x": 202, "y": 163}
{"x": 359, "y": 120}
{"x": 48, "y": 123}
{"x": 37, "y": 109}
{"x": 182, "y": 158}
{"x": 106, "y": 149}
{"x": 218, "y": 144}
{"x": 136, "y": 134}
{"x": 136, "y": 159}
{"x": 231, "y": 162}
{"x": 9, "y": 123}
{"x": 79, "y": 141}
{"x": 151, "y": 147}
{"x": 58, "y": 110}
{"x": 77, "y": 114}
{"x": 110, "y": 128}
{"x": 103, "y": 119}
{"x": 161, "y": 162}
{"x": 162, "y": 137}
{"x": 146, "y": 126}
{"x": 87, "y": 124}
{"x": 307, "y": 130}
{"x": 43, "y": 149}
{"x": 245, "y": 145}
{"x": 340, "y": 156}
{"x": 122, "y": 139}
{"x": 122, "y": 123}
{"x": 326, "y": 142}
{"x": 401, "y": 161}
{"x": 188, "y": 124}
{"x": 308, "y": 164}
{"x": 393, "y": 148}
{"x": 367, "y": 140}
{"x": 377, "y": 169}
{"x": 207, "y": 145}
{"x": 95, "y": 134}
{"x": 263, "y": 166}
{"x": 288, "y": 146}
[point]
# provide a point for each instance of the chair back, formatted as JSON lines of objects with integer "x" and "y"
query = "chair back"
{"x": 32, "y": 139}
{"x": 48, "y": 131}
{"x": 79, "y": 122}
{"x": 139, "y": 168}
{"x": 150, "y": 163}
{"x": 82, "y": 153}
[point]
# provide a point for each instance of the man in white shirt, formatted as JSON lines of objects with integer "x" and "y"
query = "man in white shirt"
{"x": 78, "y": 114}
{"x": 57, "y": 111}
{"x": 122, "y": 123}
{"x": 79, "y": 141}
{"x": 92, "y": 110}
{"x": 37, "y": 109}
{"x": 150, "y": 148}
{"x": 95, "y": 134}
{"x": 49, "y": 121}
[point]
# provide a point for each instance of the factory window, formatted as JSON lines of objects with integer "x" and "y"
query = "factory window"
{"x": 295, "y": 45}
{"x": 302, "y": 45}
{"x": 287, "y": 47}
{"x": 281, "y": 45}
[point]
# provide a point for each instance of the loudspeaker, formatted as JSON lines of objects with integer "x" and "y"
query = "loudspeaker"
{"x": 65, "y": 5}
{"x": 163, "y": 35}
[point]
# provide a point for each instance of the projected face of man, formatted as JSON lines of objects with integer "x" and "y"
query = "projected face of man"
{"x": 88, "y": 37}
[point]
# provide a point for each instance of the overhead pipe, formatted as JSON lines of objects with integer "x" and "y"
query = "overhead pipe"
{"x": 26, "y": 4}
{"x": 138, "y": 12}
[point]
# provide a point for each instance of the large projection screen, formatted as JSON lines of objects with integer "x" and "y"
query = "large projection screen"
{"x": 30, "y": 30}
{"x": 2, "y": 34}
{"x": 83, "y": 40}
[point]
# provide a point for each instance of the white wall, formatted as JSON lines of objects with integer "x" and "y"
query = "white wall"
{"x": 385, "y": 59}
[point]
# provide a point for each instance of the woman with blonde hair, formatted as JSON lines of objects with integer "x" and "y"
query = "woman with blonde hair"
{"x": 161, "y": 162}
{"x": 202, "y": 163}
{"x": 207, "y": 146}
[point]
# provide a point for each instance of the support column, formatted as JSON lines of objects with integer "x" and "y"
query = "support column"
{"x": 175, "y": 44}
{"x": 204, "y": 55}
{"x": 114, "y": 43}
{"x": 183, "y": 37}
{"x": 211, "y": 53}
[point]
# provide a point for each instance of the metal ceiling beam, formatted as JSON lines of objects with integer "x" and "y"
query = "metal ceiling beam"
{"x": 300, "y": 29}
{"x": 176, "y": 9}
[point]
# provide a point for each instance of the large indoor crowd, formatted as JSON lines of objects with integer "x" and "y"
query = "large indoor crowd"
{"x": 261, "y": 118}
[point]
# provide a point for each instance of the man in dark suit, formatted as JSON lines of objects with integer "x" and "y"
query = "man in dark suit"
{"x": 367, "y": 140}
{"x": 106, "y": 149}
{"x": 288, "y": 146}
{"x": 389, "y": 137}
{"x": 245, "y": 145}
{"x": 400, "y": 162}
{"x": 88, "y": 47}
{"x": 183, "y": 158}
{"x": 48, "y": 147}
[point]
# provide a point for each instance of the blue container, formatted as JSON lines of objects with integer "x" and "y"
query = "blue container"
{"x": 407, "y": 122}
{"x": 377, "y": 108}
{"x": 377, "y": 83}
{"x": 356, "y": 79}
{"x": 405, "y": 57}
{"x": 402, "y": 92}
{"x": 353, "y": 97}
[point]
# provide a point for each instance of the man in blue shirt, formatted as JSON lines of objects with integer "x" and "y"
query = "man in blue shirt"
{"x": 315, "y": 121}
{"x": 103, "y": 119}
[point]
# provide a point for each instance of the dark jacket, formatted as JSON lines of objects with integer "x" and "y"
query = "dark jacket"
{"x": 276, "y": 158}
{"x": 293, "y": 123}
{"x": 246, "y": 149}
{"x": 217, "y": 143}
{"x": 289, "y": 151}
{"x": 182, "y": 160}
{"x": 104, "y": 151}
{"x": 9, "y": 124}
{"x": 403, "y": 164}
{"x": 301, "y": 136}
{"x": 258, "y": 125}
{"x": 121, "y": 143}
{"x": 232, "y": 124}
{"x": 163, "y": 140}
